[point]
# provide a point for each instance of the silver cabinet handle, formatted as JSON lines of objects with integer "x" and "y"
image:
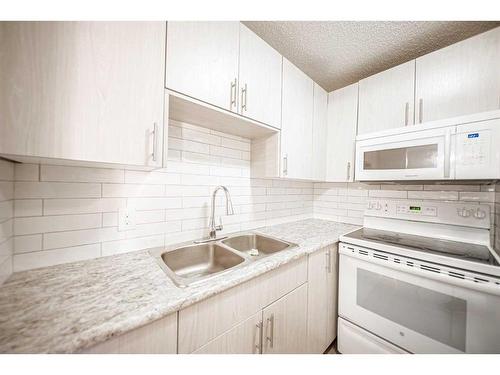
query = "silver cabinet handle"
{"x": 234, "y": 93}
{"x": 270, "y": 338}
{"x": 348, "y": 170}
{"x": 244, "y": 93}
{"x": 407, "y": 111}
{"x": 420, "y": 110}
{"x": 328, "y": 265}
{"x": 155, "y": 141}
{"x": 285, "y": 164}
{"x": 258, "y": 347}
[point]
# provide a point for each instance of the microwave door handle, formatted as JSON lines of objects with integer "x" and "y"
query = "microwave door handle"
{"x": 447, "y": 153}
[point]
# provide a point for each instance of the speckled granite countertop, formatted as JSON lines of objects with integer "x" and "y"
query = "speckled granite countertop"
{"x": 70, "y": 307}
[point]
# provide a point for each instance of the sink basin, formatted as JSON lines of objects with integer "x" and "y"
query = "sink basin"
{"x": 189, "y": 264}
{"x": 256, "y": 245}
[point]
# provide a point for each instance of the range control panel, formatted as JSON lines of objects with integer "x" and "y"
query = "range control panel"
{"x": 457, "y": 213}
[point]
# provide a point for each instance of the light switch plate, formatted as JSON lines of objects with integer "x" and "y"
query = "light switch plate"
{"x": 126, "y": 219}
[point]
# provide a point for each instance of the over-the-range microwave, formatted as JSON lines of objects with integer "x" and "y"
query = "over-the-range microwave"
{"x": 460, "y": 148}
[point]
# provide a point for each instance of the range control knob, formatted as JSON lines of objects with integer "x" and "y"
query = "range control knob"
{"x": 463, "y": 212}
{"x": 479, "y": 214}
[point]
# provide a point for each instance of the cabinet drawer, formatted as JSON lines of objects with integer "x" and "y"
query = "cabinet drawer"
{"x": 204, "y": 321}
{"x": 355, "y": 340}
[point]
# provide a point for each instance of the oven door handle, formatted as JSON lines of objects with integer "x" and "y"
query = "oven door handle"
{"x": 477, "y": 286}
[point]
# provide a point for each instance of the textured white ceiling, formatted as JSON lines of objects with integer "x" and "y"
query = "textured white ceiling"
{"x": 337, "y": 53}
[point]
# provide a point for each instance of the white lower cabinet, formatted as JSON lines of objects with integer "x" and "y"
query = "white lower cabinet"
{"x": 322, "y": 299}
{"x": 245, "y": 338}
{"x": 285, "y": 324}
{"x": 209, "y": 319}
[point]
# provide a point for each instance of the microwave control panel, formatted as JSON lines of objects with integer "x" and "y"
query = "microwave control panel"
{"x": 477, "y": 151}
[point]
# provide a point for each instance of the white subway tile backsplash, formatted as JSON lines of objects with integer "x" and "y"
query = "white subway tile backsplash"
{"x": 7, "y": 173}
{"x": 6, "y": 210}
{"x": 81, "y": 206}
{"x": 66, "y": 213}
{"x": 51, "y": 257}
{"x": 399, "y": 194}
{"x": 28, "y": 207}
{"x": 56, "y": 190}
{"x": 6, "y": 170}
{"x": 437, "y": 195}
{"x": 477, "y": 196}
{"x": 28, "y": 243}
{"x": 132, "y": 190}
{"x": 80, "y": 174}
{"x": 122, "y": 246}
{"x": 143, "y": 178}
{"x": 44, "y": 224}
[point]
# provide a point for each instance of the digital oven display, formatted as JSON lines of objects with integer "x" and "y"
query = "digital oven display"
{"x": 415, "y": 209}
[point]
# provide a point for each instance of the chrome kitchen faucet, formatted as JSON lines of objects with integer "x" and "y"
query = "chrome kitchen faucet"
{"x": 212, "y": 234}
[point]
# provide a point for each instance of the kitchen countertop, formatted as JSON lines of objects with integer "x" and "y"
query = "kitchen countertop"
{"x": 70, "y": 307}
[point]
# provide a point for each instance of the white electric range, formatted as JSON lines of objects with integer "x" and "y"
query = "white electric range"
{"x": 419, "y": 277}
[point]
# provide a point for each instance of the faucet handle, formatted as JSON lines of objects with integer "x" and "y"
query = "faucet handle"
{"x": 220, "y": 226}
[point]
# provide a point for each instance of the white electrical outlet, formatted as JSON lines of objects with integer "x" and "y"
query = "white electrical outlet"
{"x": 126, "y": 219}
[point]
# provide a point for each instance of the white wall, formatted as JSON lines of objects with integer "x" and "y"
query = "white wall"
{"x": 65, "y": 214}
{"x": 6, "y": 218}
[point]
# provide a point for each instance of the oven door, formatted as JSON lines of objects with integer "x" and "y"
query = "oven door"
{"x": 423, "y": 155}
{"x": 415, "y": 312}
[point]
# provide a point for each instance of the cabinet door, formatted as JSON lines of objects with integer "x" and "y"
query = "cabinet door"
{"x": 319, "y": 132}
{"x": 322, "y": 299}
{"x": 461, "y": 79}
{"x": 296, "y": 126}
{"x": 332, "y": 278}
{"x": 259, "y": 79}
{"x": 285, "y": 324}
{"x": 386, "y": 99}
{"x": 202, "y": 61}
{"x": 85, "y": 91}
{"x": 245, "y": 338}
{"x": 341, "y": 133}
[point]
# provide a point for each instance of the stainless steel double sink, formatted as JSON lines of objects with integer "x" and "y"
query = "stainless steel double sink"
{"x": 194, "y": 263}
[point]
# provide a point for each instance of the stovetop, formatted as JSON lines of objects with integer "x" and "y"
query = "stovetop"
{"x": 429, "y": 245}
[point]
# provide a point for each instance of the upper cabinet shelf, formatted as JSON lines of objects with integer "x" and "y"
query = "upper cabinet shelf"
{"x": 186, "y": 109}
{"x": 226, "y": 65}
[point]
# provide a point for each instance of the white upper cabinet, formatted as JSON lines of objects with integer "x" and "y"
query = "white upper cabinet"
{"x": 83, "y": 91}
{"x": 319, "y": 132}
{"x": 225, "y": 64}
{"x": 297, "y": 122}
{"x": 461, "y": 79}
{"x": 259, "y": 79}
{"x": 341, "y": 133}
{"x": 386, "y": 99}
{"x": 202, "y": 61}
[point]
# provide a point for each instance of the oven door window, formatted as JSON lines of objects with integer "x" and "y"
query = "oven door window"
{"x": 431, "y": 313}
